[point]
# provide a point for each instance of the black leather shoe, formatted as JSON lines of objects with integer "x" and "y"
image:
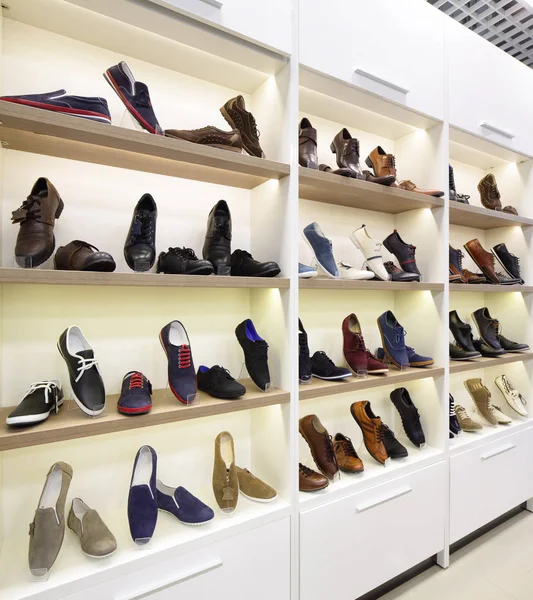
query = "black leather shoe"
{"x": 508, "y": 261}
{"x": 243, "y": 264}
{"x": 487, "y": 327}
{"x": 217, "y": 245}
{"x": 458, "y": 353}
{"x": 404, "y": 253}
{"x": 218, "y": 382}
{"x": 392, "y": 445}
{"x": 486, "y": 350}
{"x": 255, "y": 354}
{"x": 304, "y": 360}
{"x": 139, "y": 249}
{"x": 397, "y": 274}
{"x": 462, "y": 332}
{"x": 85, "y": 379}
{"x": 510, "y": 346}
{"x": 183, "y": 261}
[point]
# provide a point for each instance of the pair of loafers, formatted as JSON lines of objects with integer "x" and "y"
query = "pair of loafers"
{"x": 148, "y": 495}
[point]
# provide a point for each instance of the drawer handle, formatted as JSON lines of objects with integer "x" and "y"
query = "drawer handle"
{"x": 497, "y": 130}
{"x": 187, "y": 574}
{"x": 362, "y": 506}
{"x": 389, "y": 84}
{"x": 497, "y": 451}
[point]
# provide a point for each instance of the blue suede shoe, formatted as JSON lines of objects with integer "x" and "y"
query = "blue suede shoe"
{"x": 142, "y": 500}
{"x": 181, "y": 373}
{"x": 136, "y": 394}
{"x": 183, "y": 505}
{"x": 393, "y": 340}
{"x": 322, "y": 249}
{"x": 415, "y": 359}
{"x": 305, "y": 272}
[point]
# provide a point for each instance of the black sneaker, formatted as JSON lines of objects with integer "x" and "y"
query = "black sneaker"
{"x": 458, "y": 353}
{"x": 510, "y": 346}
{"x": 392, "y": 445}
{"x": 134, "y": 95}
{"x": 136, "y": 394}
{"x": 43, "y": 398}
{"x": 139, "y": 249}
{"x": 509, "y": 262}
{"x": 243, "y": 264}
{"x": 324, "y": 368}
{"x": 85, "y": 379}
{"x": 255, "y": 354}
{"x": 217, "y": 382}
{"x": 304, "y": 360}
{"x": 410, "y": 416}
{"x": 183, "y": 261}
{"x": 455, "y": 428}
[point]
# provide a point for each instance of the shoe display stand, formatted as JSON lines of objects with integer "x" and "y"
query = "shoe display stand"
{"x": 290, "y": 61}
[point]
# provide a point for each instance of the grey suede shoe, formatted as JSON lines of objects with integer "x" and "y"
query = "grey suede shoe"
{"x": 95, "y": 538}
{"x": 48, "y": 527}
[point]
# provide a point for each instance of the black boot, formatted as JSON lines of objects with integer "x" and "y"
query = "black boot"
{"x": 217, "y": 245}
{"x": 139, "y": 249}
{"x": 405, "y": 253}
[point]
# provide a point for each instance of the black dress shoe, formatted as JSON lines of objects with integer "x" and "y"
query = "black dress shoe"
{"x": 487, "y": 327}
{"x": 255, "y": 354}
{"x": 217, "y": 245}
{"x": 510, "y": 346}
{"x": 139, "y": 249}
{"x": 458, "y": 353}
{"x": 43, "y": 398}
{"x": 183, "y": 261}
{"x": 392, "y": 445}
{"x": 85, "y": 379}
{"x": 487, "y": 350}
{"x": 243, "y": 264}
{"x": 405, "y": 253}
{"x": 508, "y": 261}
{"x": 218, "y": 382}
{"x": 462, "y": 332}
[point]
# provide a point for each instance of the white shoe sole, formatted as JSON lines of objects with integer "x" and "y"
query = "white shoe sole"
{"x": 185, "y": 522}
{"x": 333, "y": 378}
{"x": 356, "y": 243}
{"x": 522, "y": 414}
{"x": 261, "y": 500}
{"x": 31, "y": 419}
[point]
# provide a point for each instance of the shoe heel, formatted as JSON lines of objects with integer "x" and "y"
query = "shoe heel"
{"x": 332, "y": 148}
{"x": 369, "y": 163}
{"x": 60, "y": 208}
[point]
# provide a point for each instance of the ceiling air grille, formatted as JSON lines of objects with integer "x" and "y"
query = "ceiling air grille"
{"x": 508, "y": 24}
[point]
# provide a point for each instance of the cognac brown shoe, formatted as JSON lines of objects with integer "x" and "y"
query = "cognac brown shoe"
{"x": 411, "y": 187}
{"x": 209, "y": 136}
{"x": 225, "y": 479}
{"x": 470, "y": 277}
{"x": 307, "y": 145}
{"x": 489, "y": 193}
{"x": 36, "y": 217}
{"x": 311, "y": 481}
{"x": 347, "y": 458}
{"x": 81, "y": 256}
{"x": 235, "y": 113}
{"x": 382, "y": 164}
{"x": 372, "y": 428}
{"x": 320, "y": 444}
{"x": 483, "y": 259}
{"x": 481, "y": 397}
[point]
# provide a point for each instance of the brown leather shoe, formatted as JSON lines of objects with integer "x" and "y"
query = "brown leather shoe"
{"x": 235, "y": 113}
{"x": 347, "y": 458}
{"x": 470, "y": 277}
{"x": 411, "y": 187}
{"x": 311, "y": 481}
{"x": 382, "y": 164}
{"x": 510, "y": 209}
{"x": 372, "y": 428}
{"x": 81, "y": 256}
{"x": 209, "y": 136}
{"x": 328, "y": 169}
{"x": 320, "y": 444}
{"x": 457, "y": 273}
{"x": 483, "y": 259}
{"x": 37, "y": 215}
{"x": 307, "y": 145}
{"x": 489, "y": 193}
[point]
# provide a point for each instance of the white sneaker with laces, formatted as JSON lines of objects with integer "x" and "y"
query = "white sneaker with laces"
{"x": 513, "y": 397}
{"x": 503, "y": 419}
{"x": 371, "y": 250}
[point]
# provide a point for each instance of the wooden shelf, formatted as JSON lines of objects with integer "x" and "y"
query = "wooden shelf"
{"x": 45, "y": 132}
{"x": 346, "y": 191}
{"x": 326, "y": 283}
{"x": 51, "y": 277}
{"x": 483, "y": 218}
{"x": 488, "y": 287}
{"x": 72, "y": 423}
{"x": 460, "y": 366}
{"x": 319, "y": 388}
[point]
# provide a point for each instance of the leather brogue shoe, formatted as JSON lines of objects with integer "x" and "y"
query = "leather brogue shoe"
{"x": 483, "y": 259}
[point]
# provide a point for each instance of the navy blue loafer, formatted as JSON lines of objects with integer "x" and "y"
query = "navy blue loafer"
{"x": 181, "y": 373}
{"x": 142, "y": 499}
{"x": 183, "y": 505}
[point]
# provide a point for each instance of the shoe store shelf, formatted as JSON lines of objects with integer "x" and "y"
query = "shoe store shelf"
{"x": 72, "y": 423}
{"x": 487, "y": 287}
{"x": 483, "y": 218}
{"x": 326, "y": 283}
{"x": 484, "y": 363}
{"x": 44, "y": 132}
{"x": 51, "y": 277}
{"x": 319, "y": 388}
{"x": 346, "y": 191}
{"x": 468, "y": 440}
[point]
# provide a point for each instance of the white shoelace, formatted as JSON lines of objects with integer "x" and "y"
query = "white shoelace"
{"x": 84, "y": 365}
{"x": 41, "y": 385}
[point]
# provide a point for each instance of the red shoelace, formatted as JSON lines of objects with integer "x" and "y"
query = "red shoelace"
{"x": 184, "y": 356}
{"x": 136, "y": 380}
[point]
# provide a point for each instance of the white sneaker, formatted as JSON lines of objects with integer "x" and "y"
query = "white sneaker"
{"x": 348, "y": 272}
{"x": 503, "y": 419}
{"x": 513, "y": 397}
{"x": 371, "y": 250}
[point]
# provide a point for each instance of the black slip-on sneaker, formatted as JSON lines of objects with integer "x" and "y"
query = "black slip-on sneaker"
{"x": 324, "y": 368}
{"x": 42, "y": 399}
{"x": 255, "y": 354}
{"x": 218, "y": 382}
{"x": 410, "y": 416}
{"x": 243, "y": 264}
{"x": 183, "y": 261}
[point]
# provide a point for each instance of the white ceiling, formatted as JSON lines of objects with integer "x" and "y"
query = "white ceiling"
{"x": 507, "y": 24}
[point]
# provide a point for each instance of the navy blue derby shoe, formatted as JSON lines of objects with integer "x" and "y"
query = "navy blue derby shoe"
{"x": 136, "y": 394}
{"x": 183, "y": 505}
{"x": 181, "y": 373}
{"x": 322, "y": 249}
{"x": 393, "y": 340}
{"x": 142, "y": 499}
{"x": 415, "y": 359}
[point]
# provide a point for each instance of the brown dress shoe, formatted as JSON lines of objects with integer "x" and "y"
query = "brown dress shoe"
{"x": 209, "y": 136}
{"x": 489, "y": 193}
{"x": 347, "y": 458}
{"x": 510, "y": 209}
{"x": 311, "y": 481}
{"x": 470, "y": 277}
{"x": 411, "y": 187}
{"x": 235, "y": 113}
{"x": 81, "y": 256}
{"x": 37, "y": 215}
{"x": 382, "y": 164}
{"x": 328, "y": 169}
{"x": 320, "y": 444}
{"x": 372, "y": 428}
{"x": 307, "y": 145}
{"x": 457, "y": 273}
{"x": 483, "y": 259}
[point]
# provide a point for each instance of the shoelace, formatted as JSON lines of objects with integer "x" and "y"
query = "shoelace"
{"x": 32, "y": 208}
{"x": 399, "y": 335}
{"x": 515, "y": 394}
{"x": 347, "y": 447}
{"x": 221, "y": 230}
{"x": 345, "y": 265}
{"x": 47, "y": 386}
{"x": 142, "y": 229}
{"x": 185, "y": 253}
{"x": 390, "y": 161}
{"x": 461, "y": 412}
{"x": 221, "y": 372}
{"x": 460, "y": 256}
{"x": 136, "y": 380}
{"x": 306, "y": 471}
{"x": 325, "y": 358}
{"x": 329, "y": 452}
{"x": 494, "y": 192}
{"x": 387, "y": 432}
{"x": 84, "y": 364}
{"x": 82, "y": 244}
{"x": 389, "y": 265}
{"x": 452, "y": 407}
{"x": 380, "y": 432}
{"x": 352, "y": 146}
{"x": 184, "y": 356}
{"x": 358, "y": 343}
{"x": 253, "y": 126}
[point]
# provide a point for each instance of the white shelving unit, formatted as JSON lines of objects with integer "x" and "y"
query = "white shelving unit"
{"x": 288, "y": 60}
